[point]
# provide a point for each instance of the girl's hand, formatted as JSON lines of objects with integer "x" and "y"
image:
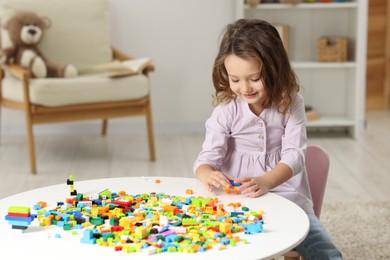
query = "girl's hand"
{"x": 254, "y": 186}
{"x": 215, "y": 179}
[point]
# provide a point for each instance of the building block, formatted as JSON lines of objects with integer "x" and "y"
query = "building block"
{"x": 70, "y": 182}
{"x": 233, "y": 189}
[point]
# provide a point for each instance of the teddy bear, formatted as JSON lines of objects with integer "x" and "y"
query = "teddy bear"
{"x": 24, "y": 30}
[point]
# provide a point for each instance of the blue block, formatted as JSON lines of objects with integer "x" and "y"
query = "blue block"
{"x": 17, "y": 219}
{"x": 88, "y": 237}
{"x": 253, "y": 228}
{"x": 236, "y": 213}
{"x": 19, "y": 223}
{"x": 234, "y": 184}
{"x": 65, "y": 217}
{"x": 78, "y": 226}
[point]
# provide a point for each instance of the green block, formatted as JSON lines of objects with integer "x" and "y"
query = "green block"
{"x": 79, "y": 197}
{"x": 106, "y": 193}
{"x": 97, "y": 221}
{"x": 67, "y": 226}
{"x": 19, "y": 209}
{"x": 172, "y": 249}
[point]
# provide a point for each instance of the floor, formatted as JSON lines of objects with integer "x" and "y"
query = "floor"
{"x": 360, "y": 168}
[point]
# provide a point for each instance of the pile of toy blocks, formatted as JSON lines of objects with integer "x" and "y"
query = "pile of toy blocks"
{"x": 153, "y": 223}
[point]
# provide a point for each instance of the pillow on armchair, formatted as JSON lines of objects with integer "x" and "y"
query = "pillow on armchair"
{"x": 76, "y": 37}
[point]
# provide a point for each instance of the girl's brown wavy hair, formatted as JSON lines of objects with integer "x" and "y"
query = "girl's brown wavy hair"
{"x": 258, "y": 40}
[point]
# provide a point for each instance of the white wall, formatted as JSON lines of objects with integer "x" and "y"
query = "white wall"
{"x": 181, "y": 36}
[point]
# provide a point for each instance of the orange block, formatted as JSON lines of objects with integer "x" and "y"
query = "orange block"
{"x": 121, "y": 193}
{"x": 42, "y": 204}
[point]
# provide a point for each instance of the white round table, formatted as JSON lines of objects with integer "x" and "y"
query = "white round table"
{"x": 285, "y": 224}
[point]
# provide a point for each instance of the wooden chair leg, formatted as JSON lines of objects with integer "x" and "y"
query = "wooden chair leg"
{"x": 104, "y": 127}
{"x": 31, "y": 144}
{"x": 29, "y": 123}
{"x": 1, "y": 80}
{"x": 149, "y": 122}
{"x": 0, "y": 118}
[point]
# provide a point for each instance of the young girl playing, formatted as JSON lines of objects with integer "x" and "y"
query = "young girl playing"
{"x": 256, "y": 134}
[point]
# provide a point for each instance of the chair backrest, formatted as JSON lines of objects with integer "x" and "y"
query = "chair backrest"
{"x": 317, "y": 166}
{"x": 80, "y": 31}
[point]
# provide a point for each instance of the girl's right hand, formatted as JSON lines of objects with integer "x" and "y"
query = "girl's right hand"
{"x": 211, "y": 178}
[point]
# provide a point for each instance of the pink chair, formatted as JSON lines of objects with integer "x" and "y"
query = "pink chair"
{"x": 317, "y": 166}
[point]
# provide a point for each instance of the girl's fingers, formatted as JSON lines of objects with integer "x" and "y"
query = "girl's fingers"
{"x": 256, "y": 194}
{"x": 245, "y": 179}
{"x": 224, "y": 180}
{"x": 219, "y": 182}
{"x": 248, "y": 187}
{"x": 215, "y": 183}
{"x": 244, "y": 186}
{"x": 244, "y": 190}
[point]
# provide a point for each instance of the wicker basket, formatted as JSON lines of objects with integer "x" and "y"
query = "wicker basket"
{"x": 332, "y": 49}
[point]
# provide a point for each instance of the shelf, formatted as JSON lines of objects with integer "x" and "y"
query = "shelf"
{"x": 334, "y": 89}
{"x": 331, "y": 122}
{"x": 306, "y": 6}
{"x": 322, "y": 65}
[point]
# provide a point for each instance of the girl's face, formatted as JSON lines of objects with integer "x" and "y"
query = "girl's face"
{"x": 245, "y": 81}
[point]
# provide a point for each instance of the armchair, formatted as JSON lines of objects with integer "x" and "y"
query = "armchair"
{"x": 80, "y": 34}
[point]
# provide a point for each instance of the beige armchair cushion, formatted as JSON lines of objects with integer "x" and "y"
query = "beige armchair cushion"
{"x": 80, "y": 90}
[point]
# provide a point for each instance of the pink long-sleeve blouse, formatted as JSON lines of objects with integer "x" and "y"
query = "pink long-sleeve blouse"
{"x": 242, "y": 144}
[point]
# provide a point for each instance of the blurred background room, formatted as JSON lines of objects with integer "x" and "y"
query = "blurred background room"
{"x": 346, "y": 93}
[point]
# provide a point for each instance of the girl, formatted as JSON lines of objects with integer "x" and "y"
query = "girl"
{"x": 256, "y": 134}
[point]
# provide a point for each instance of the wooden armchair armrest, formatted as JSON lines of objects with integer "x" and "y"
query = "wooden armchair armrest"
{"x": 121, "y": 56}
{"x": 18, "y": 71}
{"x": 148, "y": 69}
